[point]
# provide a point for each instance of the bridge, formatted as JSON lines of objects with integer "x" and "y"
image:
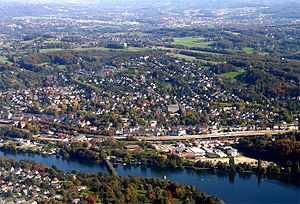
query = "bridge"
{"x": 110, "y": 167}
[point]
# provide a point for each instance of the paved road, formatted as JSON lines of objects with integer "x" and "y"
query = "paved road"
{"x": 213, "y": 135}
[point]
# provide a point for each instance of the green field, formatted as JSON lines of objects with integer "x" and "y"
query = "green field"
{"x": 131, "y": 33}
{"x": 189, "y": 58}
{"x": 263, "y": 53}
{"x": 206, "y": 52}
{"x": 44, "y": 63}
{"x": 210, "y": 62}
{"x": 251, "y": 50}
{"x": 295, "y": 60}
{"x": 15, "y": 26}
{"x": 49, "y": 40}
{"x": 206, "y": 67}
{"x": 129, "y": 49}
{"x": 50, "y": 50}
{"x": 27, "y": 41}
{"x": 185, "y": 57}
{"x": 62, "y": 66}
{"x": 248, "y": 50}
{"x": 232, "y": 75}
{"x": 233, "y": 33}
{"x": 4, "y": 60}
{"x": 132, "y": 49}
{"x": 52, "y": 40}
{"x": 192, "y": 42}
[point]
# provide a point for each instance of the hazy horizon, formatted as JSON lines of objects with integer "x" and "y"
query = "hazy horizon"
{"x": 149, "y": 1}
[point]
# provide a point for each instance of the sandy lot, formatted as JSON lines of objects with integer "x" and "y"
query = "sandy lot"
{"x": 237, "y": 160}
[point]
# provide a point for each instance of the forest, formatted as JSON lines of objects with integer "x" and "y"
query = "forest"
{"x": 284, "y": 150}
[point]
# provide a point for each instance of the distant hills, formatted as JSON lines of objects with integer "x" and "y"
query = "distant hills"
{"x": 211, "y": 3}
{"x": 284, "y": 8}
{"x": 17, "y": 10}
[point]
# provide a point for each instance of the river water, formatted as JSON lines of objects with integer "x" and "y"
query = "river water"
{"x": 231, "y": 187}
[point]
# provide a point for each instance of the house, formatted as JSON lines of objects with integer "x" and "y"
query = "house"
{"x": 119, "y": 131}
{"x": 20, "y": 200}
{"x": 77, "y": 200}
{"x": 92, "y": 128}
{"x": 232, "y": 152}
{"x": 31, "y": 202}
{"x": 6, "y": 115}
{"x": 153, "y": 123}
{"x": 81, "y": 188}
{"x": 212, "y": 155}
{"x": 220, "y": 153}
{"x": 79, "y": 138}
{"x": 177, "y": 133}
{"x": 197, "y": 151}
{"x": 187, "y": 154}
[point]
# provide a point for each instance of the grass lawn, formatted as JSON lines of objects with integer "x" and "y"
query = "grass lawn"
{"x": 295, "y": 60}
{"x": 233, "y": 33}
{"x": 59, "y": 66}
{"x": 139, "y": 33}
{"x": 44, "y": 63}
{"x": 5, "y": 60}
{"x": 192, "y": 42}
{"x": 15, "y": 26}
{"x": 89, "y": 48}
{"x": 62, "y": 66}
{"x": 141, "y": 192}
{"x": 263, "y": 53}
{"x": 27, "y": 41}
{"x": 232, "y": 75}
{"x": 190, "y": 58}
{"x": 248, "y": 50}
{"x": 242, "y": 86}
{"x": 52, "y": 40}
{"x": 50, "y": 50}
{"x": 131, "y": 33}
{"x": 210, "y": 62}
{"x": 185, "y": 57}
{"x": 137, "y": 49}
{"x": 132, "y": 49}
{"x": 206, "y": 52}
{"x": 206, "y": 67}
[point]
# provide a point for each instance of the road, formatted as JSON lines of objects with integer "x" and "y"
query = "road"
{"x": 212, "y": 135}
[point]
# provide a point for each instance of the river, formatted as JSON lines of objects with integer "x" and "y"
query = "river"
{"x": 231, "y": 187}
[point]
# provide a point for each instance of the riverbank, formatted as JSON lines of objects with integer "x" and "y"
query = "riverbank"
{"x": 88, "y": 187}
{"x": 241, "y": 164}
{"x": 230, "y": 186}
{"x": 237, "y": 159}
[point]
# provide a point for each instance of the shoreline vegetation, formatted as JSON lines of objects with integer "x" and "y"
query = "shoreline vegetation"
{"x": 149, "y": 157}
{"x": 59, "y": 186}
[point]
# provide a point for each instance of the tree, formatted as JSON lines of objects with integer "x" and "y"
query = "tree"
{"x": 231, "y": 164}
{"x": 259, "y": 166}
